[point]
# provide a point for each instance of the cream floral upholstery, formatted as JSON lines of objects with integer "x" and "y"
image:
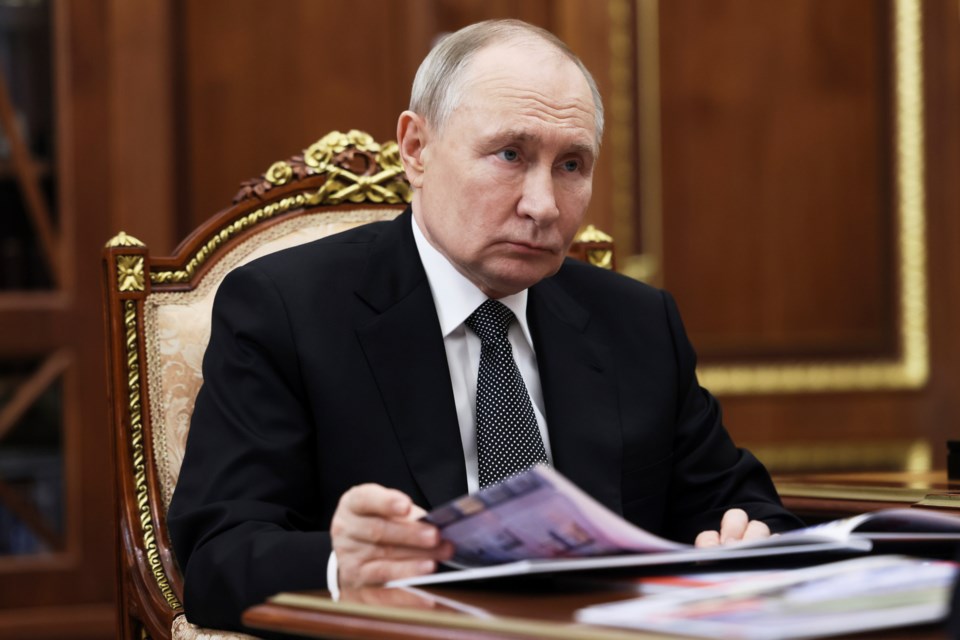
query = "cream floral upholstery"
{"x": 183, "y": 630}
{"x": 177, "y": 327}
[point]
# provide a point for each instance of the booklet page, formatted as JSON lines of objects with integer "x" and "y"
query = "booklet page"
{"x": 538, "y": 514}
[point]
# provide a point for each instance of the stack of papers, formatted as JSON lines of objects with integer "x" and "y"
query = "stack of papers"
{"x": 840, "y": 597}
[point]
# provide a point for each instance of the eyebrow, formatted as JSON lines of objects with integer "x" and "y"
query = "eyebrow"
{"x": 520, "y": 135}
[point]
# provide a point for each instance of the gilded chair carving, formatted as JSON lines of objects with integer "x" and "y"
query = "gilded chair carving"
{"x": 158, "y": 323}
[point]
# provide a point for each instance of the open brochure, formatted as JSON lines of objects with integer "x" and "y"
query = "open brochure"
{"x": 826, "y": 600}
{"x": 539, "y": 522}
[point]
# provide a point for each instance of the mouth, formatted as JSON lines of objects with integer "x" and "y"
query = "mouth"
{"x": 532, "y": 248}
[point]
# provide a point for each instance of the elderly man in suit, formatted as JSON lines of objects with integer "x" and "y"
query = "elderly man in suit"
{"x": 349, "y": 385}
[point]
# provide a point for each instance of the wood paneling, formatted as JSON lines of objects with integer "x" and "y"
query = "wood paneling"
{"x": 779, "y": 209}
{"x": 778, "y": 231}
{"x": 72, "y": 591}
{"x": 247, "y": 97}
{"x": 777, "y": 156}
{"x": 250, "y": 96}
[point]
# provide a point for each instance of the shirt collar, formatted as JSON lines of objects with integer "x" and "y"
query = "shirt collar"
{"x": 456, "y": 297}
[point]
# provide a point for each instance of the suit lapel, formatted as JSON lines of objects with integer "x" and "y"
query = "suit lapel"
{"x": 580, "y": 394}
{"x": 404, "y": 349}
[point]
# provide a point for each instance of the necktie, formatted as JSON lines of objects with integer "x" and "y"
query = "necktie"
{"x": 508, "y": 438}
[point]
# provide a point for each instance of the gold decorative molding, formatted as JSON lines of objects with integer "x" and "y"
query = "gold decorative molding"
{"x": 459, "y": 625}
{"x": 593, "y": 246}
{"x": 914, "y": 456}
{"x": 911, "y": 368}
{"x": 620, "y": 141}
{"x": 141, "y": 489}
{"x": 591, "y": 234}
{"x": 130, "y": 273}
{"x": 279, "y": 173}
{"x": 123, "y": 240}
{"x": 196, "y": 261}
{"x": 647, "y": 262}
{"x": 357, "y": 170}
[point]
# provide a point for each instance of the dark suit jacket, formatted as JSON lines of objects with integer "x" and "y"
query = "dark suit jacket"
{"x": 326, "y": 369}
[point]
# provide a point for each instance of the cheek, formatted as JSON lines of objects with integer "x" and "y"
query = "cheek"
{"x": 573, "y": 203}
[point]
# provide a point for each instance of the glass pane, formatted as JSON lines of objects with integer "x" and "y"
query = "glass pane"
{"x": 31, "y": 466}
{"x": 26, "y": 68}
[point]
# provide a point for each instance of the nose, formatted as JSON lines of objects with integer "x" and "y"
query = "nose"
{"x": 538, "y": 200}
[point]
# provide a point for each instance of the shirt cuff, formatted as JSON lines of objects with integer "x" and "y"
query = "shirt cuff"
{"x": 333, "y": 583}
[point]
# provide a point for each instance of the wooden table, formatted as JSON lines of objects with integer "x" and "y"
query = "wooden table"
{"x": 544, "y": 611}
{"x": 838, "y": 495}
{"x": 544, "y": 608}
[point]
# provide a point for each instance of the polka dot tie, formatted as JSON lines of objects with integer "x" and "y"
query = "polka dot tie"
{"x": 508, "y": 439}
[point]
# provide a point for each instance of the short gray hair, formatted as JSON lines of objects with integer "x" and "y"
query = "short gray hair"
{"x": 438, "y": 85}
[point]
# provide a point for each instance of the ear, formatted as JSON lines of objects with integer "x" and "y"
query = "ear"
{"x": 412, "y": 135}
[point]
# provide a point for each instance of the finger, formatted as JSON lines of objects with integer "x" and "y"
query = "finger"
{"x": 707, "y": 539}
{"x": 756, "y": 530}
{"x": 357, "y": 551}
{"x": 379, "y": 531}
{"x": 416, "y": 512}
{"x": 376, "y": 500}
{"x": 733, "y": 525}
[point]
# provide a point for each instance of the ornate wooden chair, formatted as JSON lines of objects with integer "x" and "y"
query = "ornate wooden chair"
{"x": 158, "y": 323}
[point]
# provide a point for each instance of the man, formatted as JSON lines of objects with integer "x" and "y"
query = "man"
{"x": 341, "y": 396}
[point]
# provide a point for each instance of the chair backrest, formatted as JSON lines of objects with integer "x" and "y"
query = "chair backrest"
{"x": 158, "y": 324}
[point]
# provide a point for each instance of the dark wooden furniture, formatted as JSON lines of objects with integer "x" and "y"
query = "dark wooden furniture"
{"x": 827, "y": 496}
{"x": 157, "y": 317}
{"x": 469, "y": 614}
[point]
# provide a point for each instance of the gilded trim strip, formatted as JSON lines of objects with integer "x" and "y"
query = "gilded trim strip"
{"x": 912, "y": 369}
{"x": 495, "y": 625}
{"x": 158, "y": 276}
{"x": 388, "y": 185}
{"x": 913, "y": 456}
{"x": 648, "y": 263}
{"x": 621, "y": 127}
{"x": 139, "y": 467}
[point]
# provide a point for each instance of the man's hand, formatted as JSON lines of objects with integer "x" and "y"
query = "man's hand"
{"x": 377, "y": 538}
{"x": 734, "y": 527}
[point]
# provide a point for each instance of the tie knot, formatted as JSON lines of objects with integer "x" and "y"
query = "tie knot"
{"x": 490, "y": 321}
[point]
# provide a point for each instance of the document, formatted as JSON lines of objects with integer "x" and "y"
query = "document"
{"x": 827, "y": 600}
{"x": 540, "y": 522}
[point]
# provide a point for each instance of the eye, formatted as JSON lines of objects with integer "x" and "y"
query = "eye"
{"x": 510, "y": 155}
{"x": 570, "y": 166}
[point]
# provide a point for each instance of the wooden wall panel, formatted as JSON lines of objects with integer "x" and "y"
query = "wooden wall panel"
{"x": 781, "y": 229}
{"x": 249, "y": 96}
{"x": 70, "y": 592}
{"x": 260, "y": 81}
{"x": 777, "y": 156}
{"x": 778, "y": 212}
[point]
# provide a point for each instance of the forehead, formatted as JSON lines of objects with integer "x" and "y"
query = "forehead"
{"x": 529, "y": 84}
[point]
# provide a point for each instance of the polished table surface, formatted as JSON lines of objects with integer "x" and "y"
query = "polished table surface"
{"x": 544, "y": 607}
{"x": 838, "y": 495}
{"x": 470, "y": 614}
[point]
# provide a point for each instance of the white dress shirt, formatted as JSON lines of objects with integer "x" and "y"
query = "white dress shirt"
{"x": 456, "y": 298}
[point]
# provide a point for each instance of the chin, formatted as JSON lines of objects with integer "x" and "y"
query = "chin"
{"x": 518, "y": 282}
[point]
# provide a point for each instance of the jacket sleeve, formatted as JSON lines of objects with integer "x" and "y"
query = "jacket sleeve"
{"x": 243, "y": 519}
{"x": 710, "y": 473}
